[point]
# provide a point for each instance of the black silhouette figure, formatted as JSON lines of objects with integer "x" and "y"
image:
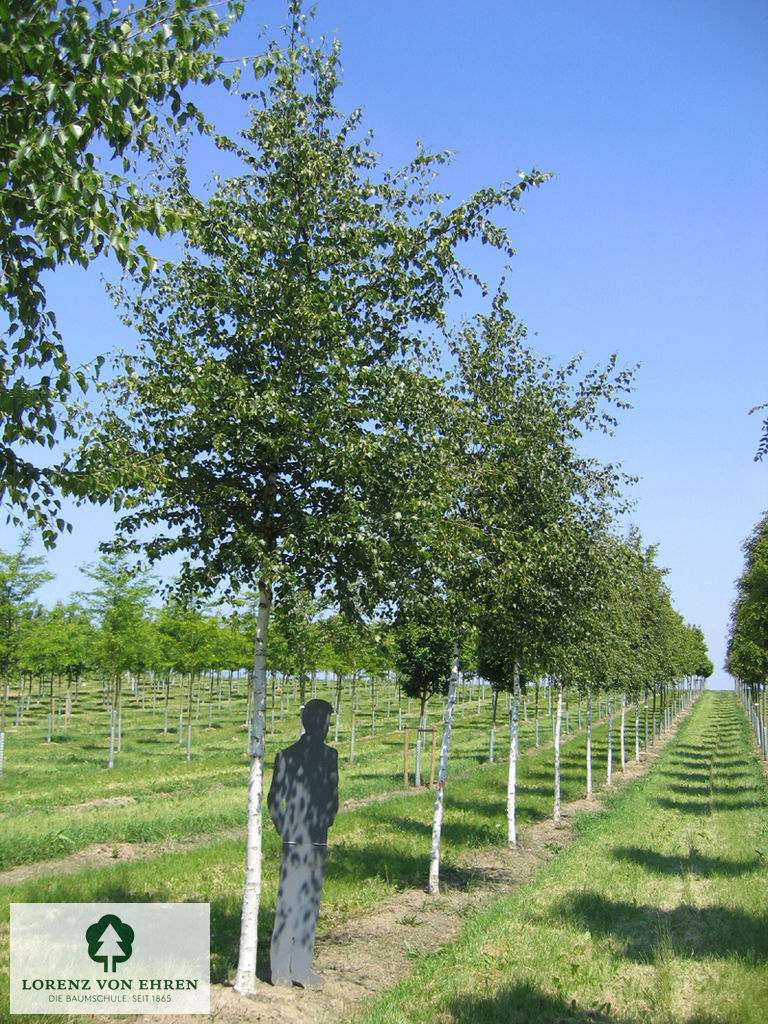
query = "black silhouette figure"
{"x": 302, "y": 800}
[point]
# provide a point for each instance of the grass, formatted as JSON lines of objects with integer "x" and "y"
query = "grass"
{"x": 658, "y": 913}
{"x": 57, "y": 798}
{"x": 377, "y": 848}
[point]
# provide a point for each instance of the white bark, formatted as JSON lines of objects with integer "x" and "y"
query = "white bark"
{"x": 623, "y": 731}
{"x": 437, "y": 822}
{"x": 494, "y": 700}
{"x": 513, "y": 752}
{"x": 609, "y": 768}
{"x": 637, "y": 732}
{"x": 245, "y": 979}
{"x": 558, "y": 731}
{"x": 111, "y": 760}
{"x": 419, "y": 733}
{"x": 589, "y": 744}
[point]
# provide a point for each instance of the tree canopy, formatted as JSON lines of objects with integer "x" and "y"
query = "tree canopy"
{"x": 86, "y": 89}
{"x": 747, "y": 657}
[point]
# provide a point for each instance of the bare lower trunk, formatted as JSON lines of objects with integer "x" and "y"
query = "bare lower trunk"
{"x": 338, "y": 709}
{"x": 609, "y": 767}
{"x": 245, "y": 979}
{"x": 419, "y": 733}
{"x": 494, "y": 701}
{"x": 623, "y": 731}
{"x": 589, "y": 744}
{"x": 637, "y": 731}
{"x": 437, "y": 823}
{"x": 513, "y": 752}
{"x": 558, "y": 732}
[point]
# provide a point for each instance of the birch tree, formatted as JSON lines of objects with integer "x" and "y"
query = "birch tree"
{"x": 262, "y": 433}
{"x": 528, "y": 505}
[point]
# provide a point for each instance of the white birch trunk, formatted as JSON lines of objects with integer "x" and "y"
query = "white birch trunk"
{"x": 494, "y": 700}
{"x": 558, "y": 731}
{"x": 609, "y": 767}
{"x": 589, "y": 744}
{"x": 245, "y": 979}
{"x": 637, "y": 732}
{"x": 419, "y": 734}
{"x": 437, "y": 822}
{"x": 111, "y": 759}
{"x": 513, "y": 752}
{"x": 623, "y": 731}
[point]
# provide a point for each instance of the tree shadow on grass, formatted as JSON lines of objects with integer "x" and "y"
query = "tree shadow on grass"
{"x": 525, "y": 1004}
{"x": 642, "y": 930}
{"x": 691, "y": 789}
{"x": 704, "y": 808}
{"x": 694, "y": 863}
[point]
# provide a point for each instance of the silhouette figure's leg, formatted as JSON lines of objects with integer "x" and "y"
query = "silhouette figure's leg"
{"x": 308, "y": 906}
{"x": 285, "y": 914}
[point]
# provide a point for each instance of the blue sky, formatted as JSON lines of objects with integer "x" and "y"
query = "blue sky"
{"x": 651, "y": 241}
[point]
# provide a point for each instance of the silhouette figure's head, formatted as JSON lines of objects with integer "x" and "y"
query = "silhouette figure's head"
{"x": 316, "y": 718}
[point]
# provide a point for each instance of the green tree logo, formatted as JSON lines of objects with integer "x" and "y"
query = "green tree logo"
{"x": 109, "y": 939}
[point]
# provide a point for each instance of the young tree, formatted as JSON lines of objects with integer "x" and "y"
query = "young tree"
{"x": 254, "y": 432}
{"x": 119, "y": 605}
{"x": 189, "y": 642}
{"x": 77, "y": 78}
{"x": 501, "y": 666}
{"x": 424, "y": 642}
{"x": 530, "y": 502}
{"x": 21, "y": 574}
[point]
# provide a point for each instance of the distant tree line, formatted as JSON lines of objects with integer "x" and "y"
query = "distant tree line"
{"x": 747, "y": 656}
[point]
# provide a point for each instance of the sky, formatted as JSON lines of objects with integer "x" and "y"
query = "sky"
{"x": 650, "y": 241}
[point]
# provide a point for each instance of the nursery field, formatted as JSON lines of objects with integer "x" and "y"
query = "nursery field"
{"x": 661, "y": 896}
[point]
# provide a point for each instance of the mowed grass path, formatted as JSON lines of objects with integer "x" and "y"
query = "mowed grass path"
{"x": 658, "y": 913}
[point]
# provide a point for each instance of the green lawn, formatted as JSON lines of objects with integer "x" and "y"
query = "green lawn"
{"x": 57, "y": 798}
{"x": 658, "y": 913}
{"x": 377, "y": 848}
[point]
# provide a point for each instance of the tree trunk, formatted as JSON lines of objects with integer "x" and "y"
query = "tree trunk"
{"x": 119, "y": 697}
{"x": 558, "y": 731}
{"x": 111, "y": 761}
{"x": 590, "y": 794}
{"x": 338, "y": 709}
{"x": 609, "y": 767}
{"x": 5, "y": 702}
{"x": 513, "y": 752}
{"x": 623, "y": 731}
{"x": 653, "y": 714}
{"x": 437, "y": 823}
{"x": 419, "y": 744}
{"x": 637, "y": 731}
{"x": 245, "y": 979}
{"x": 494, "y": 701}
